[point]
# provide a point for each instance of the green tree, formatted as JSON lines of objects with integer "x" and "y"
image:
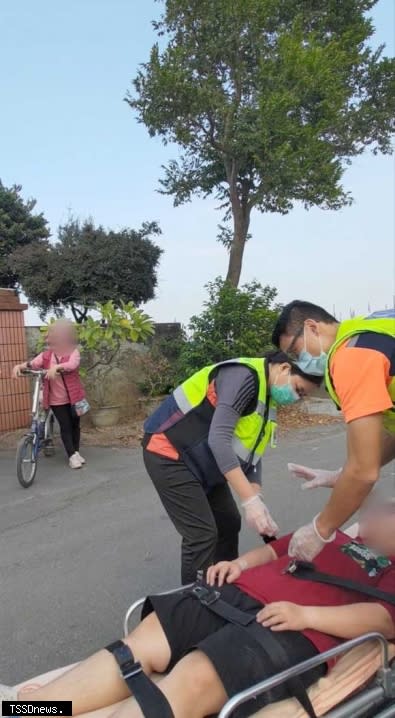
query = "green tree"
{"x": 89, "y": 265}
{"x": 268, "y": 101}
{"x": 19, "y": 227}
{"x": 235, "y": 322}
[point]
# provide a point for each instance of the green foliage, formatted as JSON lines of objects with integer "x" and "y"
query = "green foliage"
{"x": 234, "y": 323}
{"x": 160, "y": 366}
{"x": 268, "y": 101}
{"x": 118, "y": 324}
{"x": 89, "y": 264}
{"x": 159, "y": 375}
{"x": 105, "y": 335}
{"x": 19, "y": 227}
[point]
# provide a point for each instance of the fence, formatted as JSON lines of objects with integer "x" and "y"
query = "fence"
{"x": 14, "y": 395}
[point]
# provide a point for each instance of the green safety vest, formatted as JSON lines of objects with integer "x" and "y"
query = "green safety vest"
{"x": 252, "y": 432}
{"x": 351, "y": 329}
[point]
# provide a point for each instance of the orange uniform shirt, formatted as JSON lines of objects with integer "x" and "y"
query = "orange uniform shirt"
{"x": 361, "y": 378}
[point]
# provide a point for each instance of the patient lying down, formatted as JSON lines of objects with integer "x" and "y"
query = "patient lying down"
{"x": 206, "y": 660}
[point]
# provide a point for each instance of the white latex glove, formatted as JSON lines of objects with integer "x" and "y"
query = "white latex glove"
{"x": 314, "y": 477}
{"x": 258, "y": 517}
{"x": 306, "y": 543}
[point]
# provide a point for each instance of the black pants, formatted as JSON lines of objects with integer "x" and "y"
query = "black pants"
{"x": 69, "y": 427}
{"x": 236, "y": 654}
{"x": 209, "y": 524}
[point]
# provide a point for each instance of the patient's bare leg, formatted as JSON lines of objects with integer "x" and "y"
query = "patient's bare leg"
{"x": 96, "y": 682}
{"x": 192, "y": 688}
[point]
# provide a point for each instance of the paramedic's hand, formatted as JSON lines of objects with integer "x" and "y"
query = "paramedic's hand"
{"x": 52, "y": 372}
{"x": 283, "y": 616}
{"x": 258, "y": 517}
{"x": 307, "y": 542}
{"x": 224, "y": 571}
{"x": 314, "y": 477}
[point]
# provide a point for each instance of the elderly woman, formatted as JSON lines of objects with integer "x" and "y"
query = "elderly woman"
{"x": 62, "y": 385}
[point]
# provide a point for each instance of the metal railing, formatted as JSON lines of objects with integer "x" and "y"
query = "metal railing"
{"x": 300, "y": 668}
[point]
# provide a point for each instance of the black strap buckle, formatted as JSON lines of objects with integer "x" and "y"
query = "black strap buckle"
{"x": 130, "y": 669}
{"x": 291, "y": 567}
{"x": 206, "y": 596}
{"x": 296, "y": 565}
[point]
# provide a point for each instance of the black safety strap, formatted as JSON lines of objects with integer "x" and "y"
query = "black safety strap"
{"x": 274, "y": 651}
{"x": 212, "y": 599}
{"x": 152, "y": 701}
{"x": 307, "y": 572}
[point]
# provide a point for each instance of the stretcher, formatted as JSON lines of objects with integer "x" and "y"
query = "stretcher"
{"x": 360, "y": 685}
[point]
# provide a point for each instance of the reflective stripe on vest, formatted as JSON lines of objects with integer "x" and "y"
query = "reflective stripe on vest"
{"x": 182, "y": 401}
{"x": 382, "y": 322}
{"x": 249, "y": 429}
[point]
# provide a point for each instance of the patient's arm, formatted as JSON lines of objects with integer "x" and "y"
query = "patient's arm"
{"x": 341, "y": 621}
{"x": 351, "y": 621}
{"x": 257, "y": 557}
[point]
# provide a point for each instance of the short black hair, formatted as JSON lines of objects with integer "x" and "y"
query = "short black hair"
{"x": 278, "y": 357}
{"x": 294, "y": 315}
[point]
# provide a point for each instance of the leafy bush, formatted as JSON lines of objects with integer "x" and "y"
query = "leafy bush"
{"x": 234, "y": 323}
{"x": 158, "y": 375}
{"x": 160, "y": 366}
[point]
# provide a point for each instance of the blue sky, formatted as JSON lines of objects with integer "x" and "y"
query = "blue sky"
{"x": 74, "y": 145}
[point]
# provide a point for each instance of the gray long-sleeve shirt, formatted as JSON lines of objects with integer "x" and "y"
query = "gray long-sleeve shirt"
{"x": 236, "y": 388}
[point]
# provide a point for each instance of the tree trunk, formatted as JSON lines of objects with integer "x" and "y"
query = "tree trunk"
{"x": 79, "y": 315}
{"x": 241, "y": 223}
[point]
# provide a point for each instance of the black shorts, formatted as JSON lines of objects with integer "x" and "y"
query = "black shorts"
{"x": 238, "y": 658}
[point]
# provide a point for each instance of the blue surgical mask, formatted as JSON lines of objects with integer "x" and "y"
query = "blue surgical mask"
{"x": 310, "y": 364}
{"x": 284, "y": 394}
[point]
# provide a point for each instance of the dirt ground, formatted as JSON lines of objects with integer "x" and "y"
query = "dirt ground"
{"x": 129, "y": 434}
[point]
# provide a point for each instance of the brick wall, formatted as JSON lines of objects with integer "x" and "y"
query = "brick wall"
{"x": 15, "y": 397}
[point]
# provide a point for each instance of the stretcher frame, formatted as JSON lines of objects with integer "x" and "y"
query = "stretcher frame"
{"x": 379, "y": 694}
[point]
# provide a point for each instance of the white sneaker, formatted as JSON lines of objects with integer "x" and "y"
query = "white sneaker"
{"x": 74, "y": 462}
{"x": 81, "y": 458}
{"x": 8, "y": 693}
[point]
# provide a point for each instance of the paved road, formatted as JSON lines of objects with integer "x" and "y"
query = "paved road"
{"x": 78, "y": 547}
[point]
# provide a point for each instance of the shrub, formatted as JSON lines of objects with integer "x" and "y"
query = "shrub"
{"x": 234, "y": 323}
{"x": 160, "y": 366}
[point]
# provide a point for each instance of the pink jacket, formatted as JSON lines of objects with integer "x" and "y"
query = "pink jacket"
{"x": 72, "y": 380}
